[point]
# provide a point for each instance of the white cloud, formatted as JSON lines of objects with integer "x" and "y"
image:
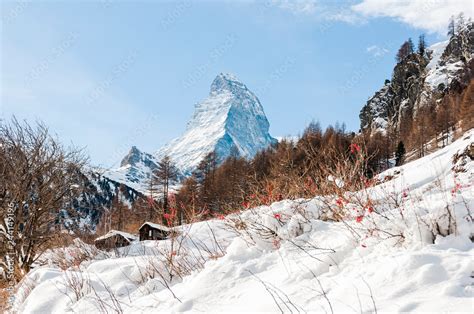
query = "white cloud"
{"x": 430, "y": 15}
{"x": 323, "y": 10}
{"x": 297, "y": 6}
{"x": 345, "y": 15}
{"x": 377, "y": 51}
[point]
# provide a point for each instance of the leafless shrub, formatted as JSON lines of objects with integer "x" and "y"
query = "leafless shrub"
{"x": 111, "y": 304}
{"x": 39, "y": 180}
{"x": 75, "y": 284}
{"x": 281, "y": 299}
{"x": 71, "y": 256}
{"x": 323, "y": 293}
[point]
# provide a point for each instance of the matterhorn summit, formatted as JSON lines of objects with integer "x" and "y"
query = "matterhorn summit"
{"x": 230, "y": 118}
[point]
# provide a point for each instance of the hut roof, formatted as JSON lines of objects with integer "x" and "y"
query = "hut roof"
{"x": 156, "y": 226}
{"x": 111, "y": 233}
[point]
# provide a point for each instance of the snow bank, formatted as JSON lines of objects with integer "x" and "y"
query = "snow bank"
{"x": 401, "y": 256}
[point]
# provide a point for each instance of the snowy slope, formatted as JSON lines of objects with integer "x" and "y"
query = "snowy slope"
{"x": 230, "y": 118}
{"x": 284, "y": 258}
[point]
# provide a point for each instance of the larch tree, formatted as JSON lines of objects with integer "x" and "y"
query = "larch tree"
{"x": 405, "y": 50}
{"x": 444, "y": 119}
{"x": 152, "y": 190}
{"x": 120, "y": 211}
{"x": 205, "y": 177}
{"x": 466, "y": 110}
{"x": 187, "y": 199}
{"x": 422, "y": 129}
{"x": 166, "y": 174}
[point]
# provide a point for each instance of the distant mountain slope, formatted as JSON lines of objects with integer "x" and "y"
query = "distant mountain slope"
{"x": 97, "y": 196}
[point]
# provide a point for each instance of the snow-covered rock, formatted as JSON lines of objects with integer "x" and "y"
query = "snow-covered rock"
{"x": 418, "y": 80}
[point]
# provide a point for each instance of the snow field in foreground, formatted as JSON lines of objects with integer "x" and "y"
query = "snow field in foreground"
{"x": 284, "y": 258}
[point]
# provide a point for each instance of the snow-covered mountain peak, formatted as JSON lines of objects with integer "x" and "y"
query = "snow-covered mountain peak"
{"x": 136, "y": 156}
{"x": 226, "y": 82}
{"x": 135, "y": 169}
{"x": 230, "y": 117}
{"x": 132, "y": 157}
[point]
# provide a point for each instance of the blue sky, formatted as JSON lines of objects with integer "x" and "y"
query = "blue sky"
{"x": 106, "y": 75}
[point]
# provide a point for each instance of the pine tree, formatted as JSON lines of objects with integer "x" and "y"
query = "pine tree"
{"x": 411, "y": 47}
{"x": 400, "y": 154}
{"x": 421, "y": 45}
{"x": 451, "y": 27}
{"x": 460, "y": 23}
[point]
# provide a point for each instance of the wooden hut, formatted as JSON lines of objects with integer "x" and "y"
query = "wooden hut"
{"x": 153, "y": 231}
{"x": 114, "y": 239}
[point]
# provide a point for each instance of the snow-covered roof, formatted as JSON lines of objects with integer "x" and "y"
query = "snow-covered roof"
{"x": 156, "y": 226}
{"x": 112, "y": 233}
